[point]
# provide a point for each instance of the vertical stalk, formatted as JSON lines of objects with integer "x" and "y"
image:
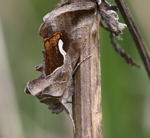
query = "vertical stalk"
{"x": 87, "y": 111}
{"x": 143, "y": 51}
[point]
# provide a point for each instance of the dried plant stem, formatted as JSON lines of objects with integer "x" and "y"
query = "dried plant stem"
{"x": 87, "y": 111}
{"x": 143, "y": 51}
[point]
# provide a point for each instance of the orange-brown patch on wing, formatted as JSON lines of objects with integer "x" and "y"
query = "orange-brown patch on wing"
{"x": 53, "y": 57}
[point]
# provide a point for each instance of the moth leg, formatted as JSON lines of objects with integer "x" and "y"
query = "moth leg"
{"x": 79, "y": 63}
{"x": 121, "y": 51}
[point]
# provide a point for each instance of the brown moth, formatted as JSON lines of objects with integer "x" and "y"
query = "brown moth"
{"x": 63, "y": 31}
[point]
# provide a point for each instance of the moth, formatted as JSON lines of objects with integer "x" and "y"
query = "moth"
{"x": 61, "y": 52}
{"x": 64, "y": 32}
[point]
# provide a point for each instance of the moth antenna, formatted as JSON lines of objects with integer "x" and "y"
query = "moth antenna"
{"x": 121, "y": 51}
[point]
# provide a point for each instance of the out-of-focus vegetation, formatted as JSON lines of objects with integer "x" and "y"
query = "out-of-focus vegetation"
{"x": 125, "y": 89}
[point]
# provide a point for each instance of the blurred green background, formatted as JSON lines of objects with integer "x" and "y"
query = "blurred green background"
{"x": 125, "y": 89}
